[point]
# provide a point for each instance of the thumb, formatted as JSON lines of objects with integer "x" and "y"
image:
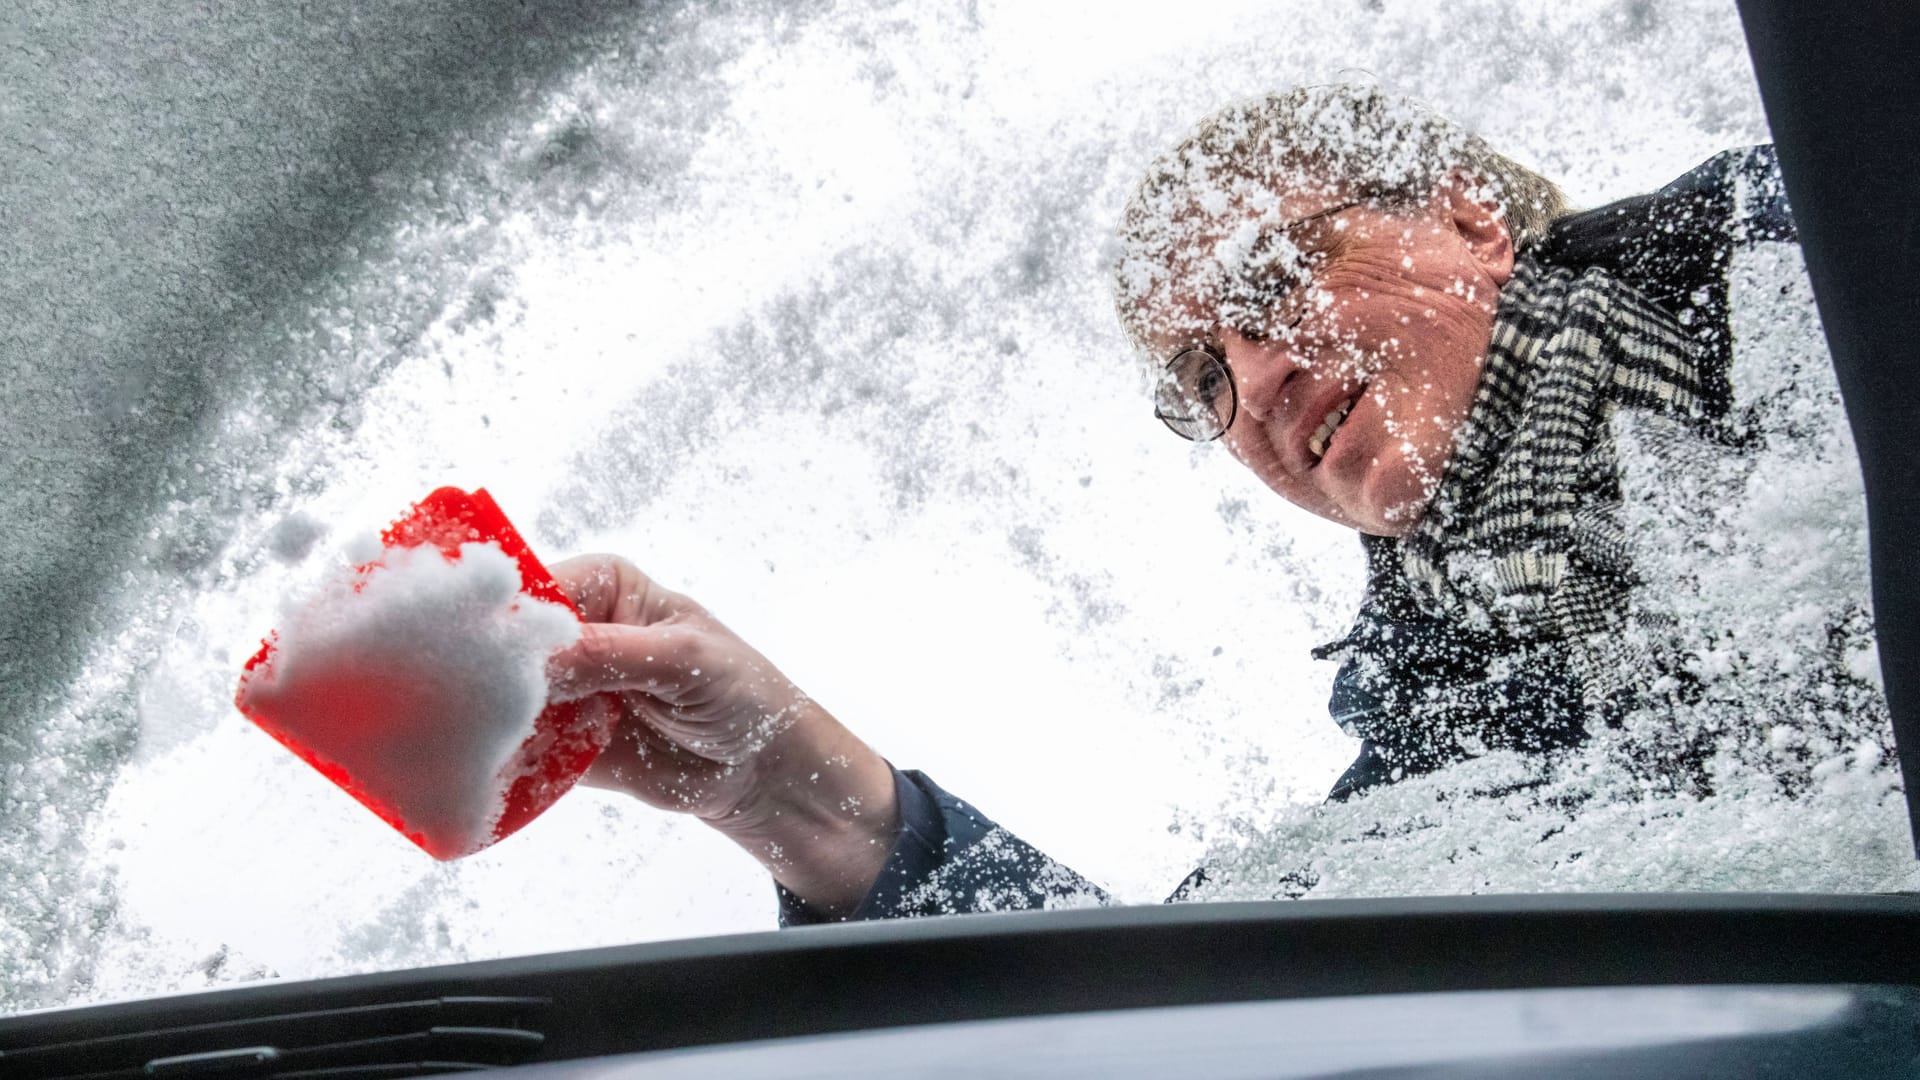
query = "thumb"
{"x": 663, "y": 660}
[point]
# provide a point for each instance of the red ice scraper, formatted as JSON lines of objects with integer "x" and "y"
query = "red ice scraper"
{"x": 340, "y": 719}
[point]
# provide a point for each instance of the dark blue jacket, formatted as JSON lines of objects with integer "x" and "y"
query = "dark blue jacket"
{"x": 1405, "y": 676}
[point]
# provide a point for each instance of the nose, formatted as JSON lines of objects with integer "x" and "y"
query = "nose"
{"x": 1261, "y": 372}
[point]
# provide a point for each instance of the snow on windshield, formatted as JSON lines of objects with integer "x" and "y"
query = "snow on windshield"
{"x": 807, "y": 312}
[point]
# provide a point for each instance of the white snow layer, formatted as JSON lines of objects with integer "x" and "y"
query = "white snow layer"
{"x": 421, "y": 679}
{"x": 806, "y": 309}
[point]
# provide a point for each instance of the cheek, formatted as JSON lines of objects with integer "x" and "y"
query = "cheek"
{"x": 1426, "y": 380}
{"x": 1365, "y": 337}
{"x": 1460, "y": 381}
{"x": 1418, "y": 420}
{"x": 1415, "y": 432}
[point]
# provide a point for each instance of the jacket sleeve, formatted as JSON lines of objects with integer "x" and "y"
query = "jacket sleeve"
{"x": 950, "y": 859}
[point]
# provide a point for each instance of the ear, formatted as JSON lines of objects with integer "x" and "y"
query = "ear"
{"x": 1477, "y": 217}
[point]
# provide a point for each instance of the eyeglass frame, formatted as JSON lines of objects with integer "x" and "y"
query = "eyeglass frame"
{"x": 1219, "y": 358}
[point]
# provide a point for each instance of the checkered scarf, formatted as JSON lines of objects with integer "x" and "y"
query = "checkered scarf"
{"x": 1523, "y": 534}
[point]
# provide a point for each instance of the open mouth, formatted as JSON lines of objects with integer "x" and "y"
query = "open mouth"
{"x": 1323, "y": 435}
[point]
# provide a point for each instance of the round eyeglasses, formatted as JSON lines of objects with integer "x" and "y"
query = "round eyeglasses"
{"x": 1195, "y": 396}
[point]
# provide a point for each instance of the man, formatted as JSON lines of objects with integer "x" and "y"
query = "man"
{"x": 1377, "y": 315}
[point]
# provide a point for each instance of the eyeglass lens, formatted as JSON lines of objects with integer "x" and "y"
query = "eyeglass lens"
{"x": 1196, "y": 398}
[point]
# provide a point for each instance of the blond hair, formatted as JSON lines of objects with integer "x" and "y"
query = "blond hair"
{"x": 1346, "y": 139}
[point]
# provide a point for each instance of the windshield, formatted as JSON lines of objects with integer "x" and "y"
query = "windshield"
{"x": 809, "y": 312}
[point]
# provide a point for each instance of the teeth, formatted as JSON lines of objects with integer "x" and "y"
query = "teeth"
{"x": 1317, "y": 443}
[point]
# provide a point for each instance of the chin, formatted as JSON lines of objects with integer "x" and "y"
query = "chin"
{"x": 1393, "y": 501}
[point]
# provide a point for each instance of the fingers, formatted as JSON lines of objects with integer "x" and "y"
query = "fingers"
{"x": 596, "y": 583}
{"x": 662, "y": 660}
{"x": 635, "y": 753}
{"x": 609, "y": 589}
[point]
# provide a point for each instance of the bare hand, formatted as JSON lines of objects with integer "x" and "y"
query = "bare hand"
{"x": 707, "y": 726}
{"x": 696, "y": 703}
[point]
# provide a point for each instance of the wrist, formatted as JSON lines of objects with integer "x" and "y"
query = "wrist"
{"x": 821, "y": 814}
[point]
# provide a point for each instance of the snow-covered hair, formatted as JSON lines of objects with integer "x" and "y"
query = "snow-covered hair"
{"x": 1350, "y": 140}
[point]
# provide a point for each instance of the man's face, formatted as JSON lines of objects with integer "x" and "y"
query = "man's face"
{"x": 1356, "y": 363}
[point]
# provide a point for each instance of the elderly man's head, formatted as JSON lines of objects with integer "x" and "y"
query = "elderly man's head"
{"x": 1325, "y": 265}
